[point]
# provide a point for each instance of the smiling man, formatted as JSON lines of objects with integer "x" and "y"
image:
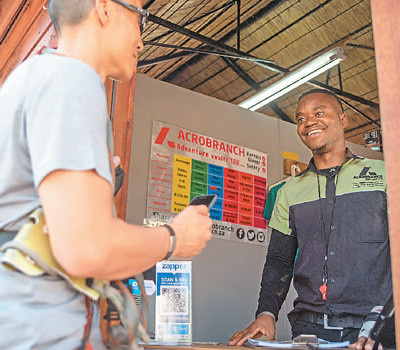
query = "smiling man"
{"x": 55, "y": 142}
{"x": 334, "y": 213}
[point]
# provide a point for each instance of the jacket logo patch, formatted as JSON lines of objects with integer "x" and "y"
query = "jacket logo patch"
{"x": 368, "y": 178}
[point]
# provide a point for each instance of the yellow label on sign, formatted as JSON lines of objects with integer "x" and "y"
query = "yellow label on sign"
{"x": 290, "y": 155}
{"x": 181, "y": 183}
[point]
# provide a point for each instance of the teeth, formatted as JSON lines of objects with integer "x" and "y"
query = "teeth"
{"x": 313, "y": 132}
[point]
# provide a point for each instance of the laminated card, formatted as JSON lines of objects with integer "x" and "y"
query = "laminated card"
{"x": 174, "y": 302}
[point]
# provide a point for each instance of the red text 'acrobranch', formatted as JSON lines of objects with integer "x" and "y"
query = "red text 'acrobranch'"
{"x": 211, "y": 143}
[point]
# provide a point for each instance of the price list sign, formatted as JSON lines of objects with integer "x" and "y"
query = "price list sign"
{"x": 185, "y": 164}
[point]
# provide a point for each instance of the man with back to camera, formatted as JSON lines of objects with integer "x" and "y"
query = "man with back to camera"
{"x": 335, "y": 214}
{"x": 53, "y": 137}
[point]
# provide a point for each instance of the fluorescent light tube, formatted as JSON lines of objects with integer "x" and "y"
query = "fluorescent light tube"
{"x": 293, "y": 80}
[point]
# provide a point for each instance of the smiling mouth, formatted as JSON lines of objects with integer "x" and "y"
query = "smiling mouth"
{"x": 314, "y": 132}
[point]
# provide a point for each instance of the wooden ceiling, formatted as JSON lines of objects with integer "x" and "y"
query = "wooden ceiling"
{"x": 288, "y": 32}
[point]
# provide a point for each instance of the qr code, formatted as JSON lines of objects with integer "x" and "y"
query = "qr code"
{"x": 175, "y": 300}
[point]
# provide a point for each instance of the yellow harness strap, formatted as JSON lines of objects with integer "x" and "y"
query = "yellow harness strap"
{"x": 30, "y": 252}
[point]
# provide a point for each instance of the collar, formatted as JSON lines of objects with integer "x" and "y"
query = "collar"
{"x": 48, "y": 50}
{"x": 45, "y": 49}
{"x": 327, "y": 172}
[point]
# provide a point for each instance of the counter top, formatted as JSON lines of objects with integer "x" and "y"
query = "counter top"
{"x": 203, "y": 346}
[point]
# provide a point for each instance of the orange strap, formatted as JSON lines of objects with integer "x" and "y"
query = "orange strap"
{"x": 112, "y": 165}
{"x": 85, "y": 345}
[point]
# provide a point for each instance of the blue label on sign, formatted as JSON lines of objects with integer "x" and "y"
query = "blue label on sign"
{"x": 216, "y": 214}
{"x": 215, "y": 170}
{"x": 172, "y": 279}
{"x": 219, "y": 191}
{"x": 179, "y": 329}
{"x": 218, "y": 204}
{"x": 215, "y": 180}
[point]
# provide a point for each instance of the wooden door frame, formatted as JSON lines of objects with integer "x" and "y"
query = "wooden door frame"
{"x": 385, "y": 17}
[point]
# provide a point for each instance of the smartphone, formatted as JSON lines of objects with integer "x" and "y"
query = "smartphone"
{"x": 208, "y": 200}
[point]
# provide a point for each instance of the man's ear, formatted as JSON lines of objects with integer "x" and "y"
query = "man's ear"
{"x": 102, "y": 10}
{"x": 344, "y": 120}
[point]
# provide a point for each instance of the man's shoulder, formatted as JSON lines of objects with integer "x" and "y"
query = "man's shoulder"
{"x": 361, "y": 162}
{"x": 299, "y": 180}
{"x": 53, "y": 66}
{"x": 298, "y": 189}
{"x": 377, "y": 162}
{"x": 52, "y": 75}
{"x": 49, "y": 69}
{"x": 49, "y": 62}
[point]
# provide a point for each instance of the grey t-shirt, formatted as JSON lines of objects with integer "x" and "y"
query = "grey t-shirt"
{"x": 53, "y": 115}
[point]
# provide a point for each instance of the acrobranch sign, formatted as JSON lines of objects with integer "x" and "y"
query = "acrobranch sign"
{"x": 185, "y": 164}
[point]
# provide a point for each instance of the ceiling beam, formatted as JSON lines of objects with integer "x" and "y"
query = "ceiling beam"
{"x": 279, "y": 112}
{"x": 146, "y": 7}
{"x": 339, "y": 72}
{"x": 272, "y": 6}
{"x": 162, "y": 59}
{"x": 223, "y": 7}
{"x": 238, "y": 19}
{"x": 215, "y": 44}
{"x": 358, "y": 127}
{"x": 328, "y": 76}
{"x": 242, "y": 74}
{"x": 344, "y": 94}
{"x": 360, "y": 112}
{"x": 213, "y": 18}
{"x": 204, "y": 50}
{"x": 370, "y": 48}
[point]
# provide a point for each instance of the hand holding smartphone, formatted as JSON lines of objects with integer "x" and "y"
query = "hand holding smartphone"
{"x": 193, "y": 227}
{"x": 207, "y": 200}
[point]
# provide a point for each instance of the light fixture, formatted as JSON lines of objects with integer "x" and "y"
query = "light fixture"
{"x": 293, "y": 80}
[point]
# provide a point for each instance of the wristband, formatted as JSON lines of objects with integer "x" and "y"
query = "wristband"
{"x": 267, "y": 313}
{"x": 172, "y": 241}
{"x": 370, "y": 321}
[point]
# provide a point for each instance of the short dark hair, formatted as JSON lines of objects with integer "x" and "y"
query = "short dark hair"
{"x": 322, "y": 91}
{"x": 69, "y": 12}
